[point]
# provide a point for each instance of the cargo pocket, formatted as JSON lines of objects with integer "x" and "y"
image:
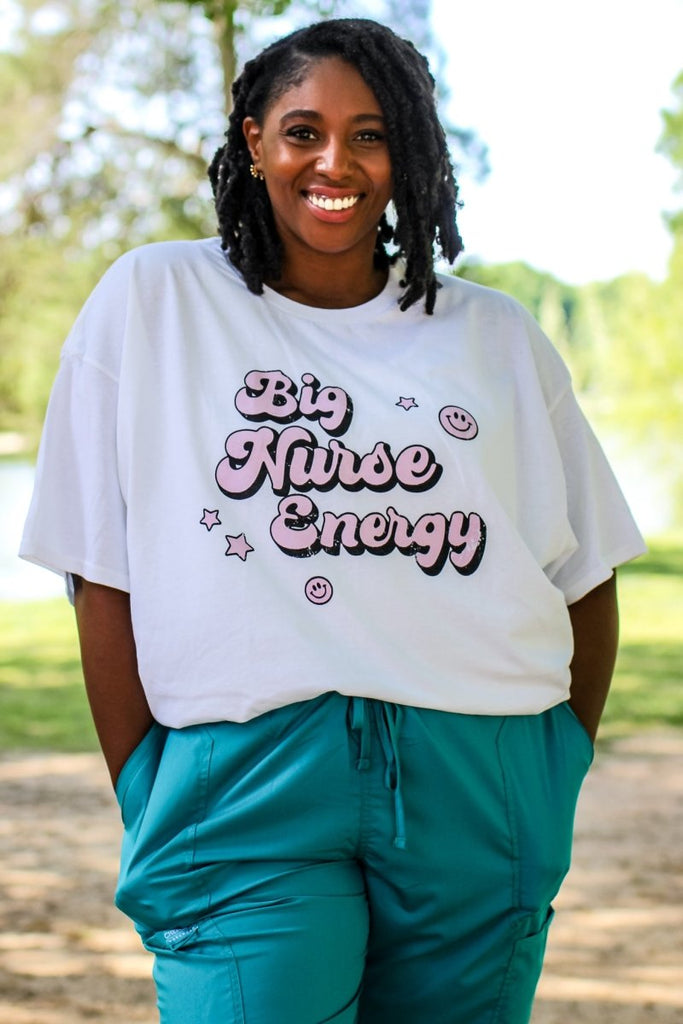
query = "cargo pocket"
{"x": 196, "y": 975}
{"x": 521, "y": 977}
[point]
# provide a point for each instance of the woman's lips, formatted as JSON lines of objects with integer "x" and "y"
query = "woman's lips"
{"x": 330, "y": 203}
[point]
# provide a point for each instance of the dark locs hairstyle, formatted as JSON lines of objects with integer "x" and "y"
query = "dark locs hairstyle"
{"x": 424, "y": 189}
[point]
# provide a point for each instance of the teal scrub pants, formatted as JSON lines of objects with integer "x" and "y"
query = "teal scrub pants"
{"x": 350, "y": 860}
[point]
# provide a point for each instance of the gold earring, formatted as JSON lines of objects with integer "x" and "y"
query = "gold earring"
{"x": 256, "y": 173}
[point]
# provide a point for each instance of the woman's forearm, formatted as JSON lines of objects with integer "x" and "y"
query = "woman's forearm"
{"x": 117, "y": 701}
{"x": 595, "y": 624}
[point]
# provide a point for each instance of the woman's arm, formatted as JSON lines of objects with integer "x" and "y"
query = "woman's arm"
{"x": 117, "y": 700}
{"x": 595, "y": 624}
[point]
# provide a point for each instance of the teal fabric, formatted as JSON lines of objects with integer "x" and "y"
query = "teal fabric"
{"x": 349, "y": 860}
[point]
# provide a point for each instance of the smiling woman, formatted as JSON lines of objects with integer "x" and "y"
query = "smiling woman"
{"x": 323, "y": 154}
{"x": 347, "y": 786}
{"x": 374, "y": 78}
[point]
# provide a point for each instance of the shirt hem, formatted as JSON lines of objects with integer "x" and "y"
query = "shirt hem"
{"x": 66, "y": 567}
{"x": 175, "y": 713}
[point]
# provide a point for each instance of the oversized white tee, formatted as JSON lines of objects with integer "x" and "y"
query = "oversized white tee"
{"x": 299, "y": 500}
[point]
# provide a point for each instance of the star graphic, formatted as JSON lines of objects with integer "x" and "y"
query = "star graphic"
{"x": 239, "y": 546}
{"x": 407, "y": 403}
{"x": 210, "y": 519}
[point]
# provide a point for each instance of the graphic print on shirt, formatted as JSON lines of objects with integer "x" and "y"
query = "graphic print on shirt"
{"x": 239, "y": 546}
{"x": 458, "y": 422}
{"x": 210, "y": 519}
{"x": 407, "y": 403}
{"x": 290, "y": 460}
{"x": 319, "y": 590}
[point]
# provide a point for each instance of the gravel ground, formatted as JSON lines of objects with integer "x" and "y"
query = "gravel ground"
{"x": 615, "y": 954}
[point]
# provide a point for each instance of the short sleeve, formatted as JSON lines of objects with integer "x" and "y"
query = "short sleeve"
{"x": 600, "y": 518}
{"x": 77, "y": 518}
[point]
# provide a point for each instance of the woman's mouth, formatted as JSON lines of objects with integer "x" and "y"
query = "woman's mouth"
{"x": 328, "y": 203}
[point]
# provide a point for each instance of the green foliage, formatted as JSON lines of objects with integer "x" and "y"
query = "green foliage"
{"x": 228, "y": 8}
{"x": 638, "y": 369}
{"x": 35, "y": 76}
{"x": 136, "y": 109}
{"x": 671, "y": 141}
{"x": 125, "y": 110}
{"x": 622, "y": 340}
{"x": 111, "y": 113}
{"x": 44, "y": 284}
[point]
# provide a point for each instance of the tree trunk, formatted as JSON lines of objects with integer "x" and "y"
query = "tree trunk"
{"x": 222, "y": 14}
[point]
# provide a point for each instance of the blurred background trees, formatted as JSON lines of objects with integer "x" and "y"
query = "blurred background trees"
{"x": 623, "y": 340}
{"x": 111, "y": 112}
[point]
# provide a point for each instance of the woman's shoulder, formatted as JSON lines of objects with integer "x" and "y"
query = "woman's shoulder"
{"x": 457, "y": 291}
{"x": 179, "y": 253}
{"x": 152, "y": 271}
{"x": 144, "y": 276}
{"x": 503, "y": 327}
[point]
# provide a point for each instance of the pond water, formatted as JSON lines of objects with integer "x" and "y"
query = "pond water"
{"x": 648, "y": 482}
{"x": 19, "y": 580}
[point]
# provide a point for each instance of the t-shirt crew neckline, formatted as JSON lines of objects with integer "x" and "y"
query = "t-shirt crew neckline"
{"x": 387, "y": 299}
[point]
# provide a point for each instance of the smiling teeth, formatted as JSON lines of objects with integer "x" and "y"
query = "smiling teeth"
{"x": 325, "y": 203}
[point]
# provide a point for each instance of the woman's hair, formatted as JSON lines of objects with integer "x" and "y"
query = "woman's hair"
{"x": 424, "y": 189}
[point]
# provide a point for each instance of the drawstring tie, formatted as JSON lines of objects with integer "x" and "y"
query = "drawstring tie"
{"x": 387, "y": 718}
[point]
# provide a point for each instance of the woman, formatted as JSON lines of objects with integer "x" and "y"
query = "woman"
{"x": 347, "y": 782}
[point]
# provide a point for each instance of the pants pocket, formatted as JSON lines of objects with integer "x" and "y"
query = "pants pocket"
{"x": 162, "y": 790}
{"x": 136, "y": 778}
{"x": 584, "y": 739}
{"x": 196, "y": 976}
{"x": 544, "y": 760}
{"x": 521, "y": 977}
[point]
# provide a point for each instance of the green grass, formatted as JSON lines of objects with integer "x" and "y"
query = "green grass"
{"x": 648, "y": 683}
{"x": 42, "y": 698}
{"x": 43, "y": 704}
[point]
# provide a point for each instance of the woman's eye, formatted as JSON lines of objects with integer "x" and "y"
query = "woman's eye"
{"x": 370, "y": 136}
{"x": 300, "y": 132}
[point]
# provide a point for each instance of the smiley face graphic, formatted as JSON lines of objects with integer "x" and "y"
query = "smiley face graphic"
{"x": 318, "y": 590}
{"x": 458, "y": 422}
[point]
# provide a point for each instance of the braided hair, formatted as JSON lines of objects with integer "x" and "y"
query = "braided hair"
{"x": 424, "y": 189}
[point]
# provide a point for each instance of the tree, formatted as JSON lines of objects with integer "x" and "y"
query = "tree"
{"x": 227, "y": 19}
{"x": 671, "y": 145}
{"x": 622, "y": 339}
{"x": 133, "y": 98}
{"x": 128, "y": 101}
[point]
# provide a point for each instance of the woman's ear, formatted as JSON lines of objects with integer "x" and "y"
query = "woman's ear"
{"x": 252, "y": 133}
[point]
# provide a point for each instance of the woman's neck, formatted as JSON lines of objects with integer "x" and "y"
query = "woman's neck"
{"x": 332, "y": 283}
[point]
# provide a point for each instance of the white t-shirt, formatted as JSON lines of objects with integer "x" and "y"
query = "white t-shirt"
{"x": 300, "y": 500}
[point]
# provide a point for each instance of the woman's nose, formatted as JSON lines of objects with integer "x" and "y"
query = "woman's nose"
{"x": 334, "y": 159}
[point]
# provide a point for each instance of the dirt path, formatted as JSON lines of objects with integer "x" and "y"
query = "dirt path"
{"x": 615, "y": 952}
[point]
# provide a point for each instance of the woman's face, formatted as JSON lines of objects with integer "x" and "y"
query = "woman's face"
{"x": 323, "y": 151}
